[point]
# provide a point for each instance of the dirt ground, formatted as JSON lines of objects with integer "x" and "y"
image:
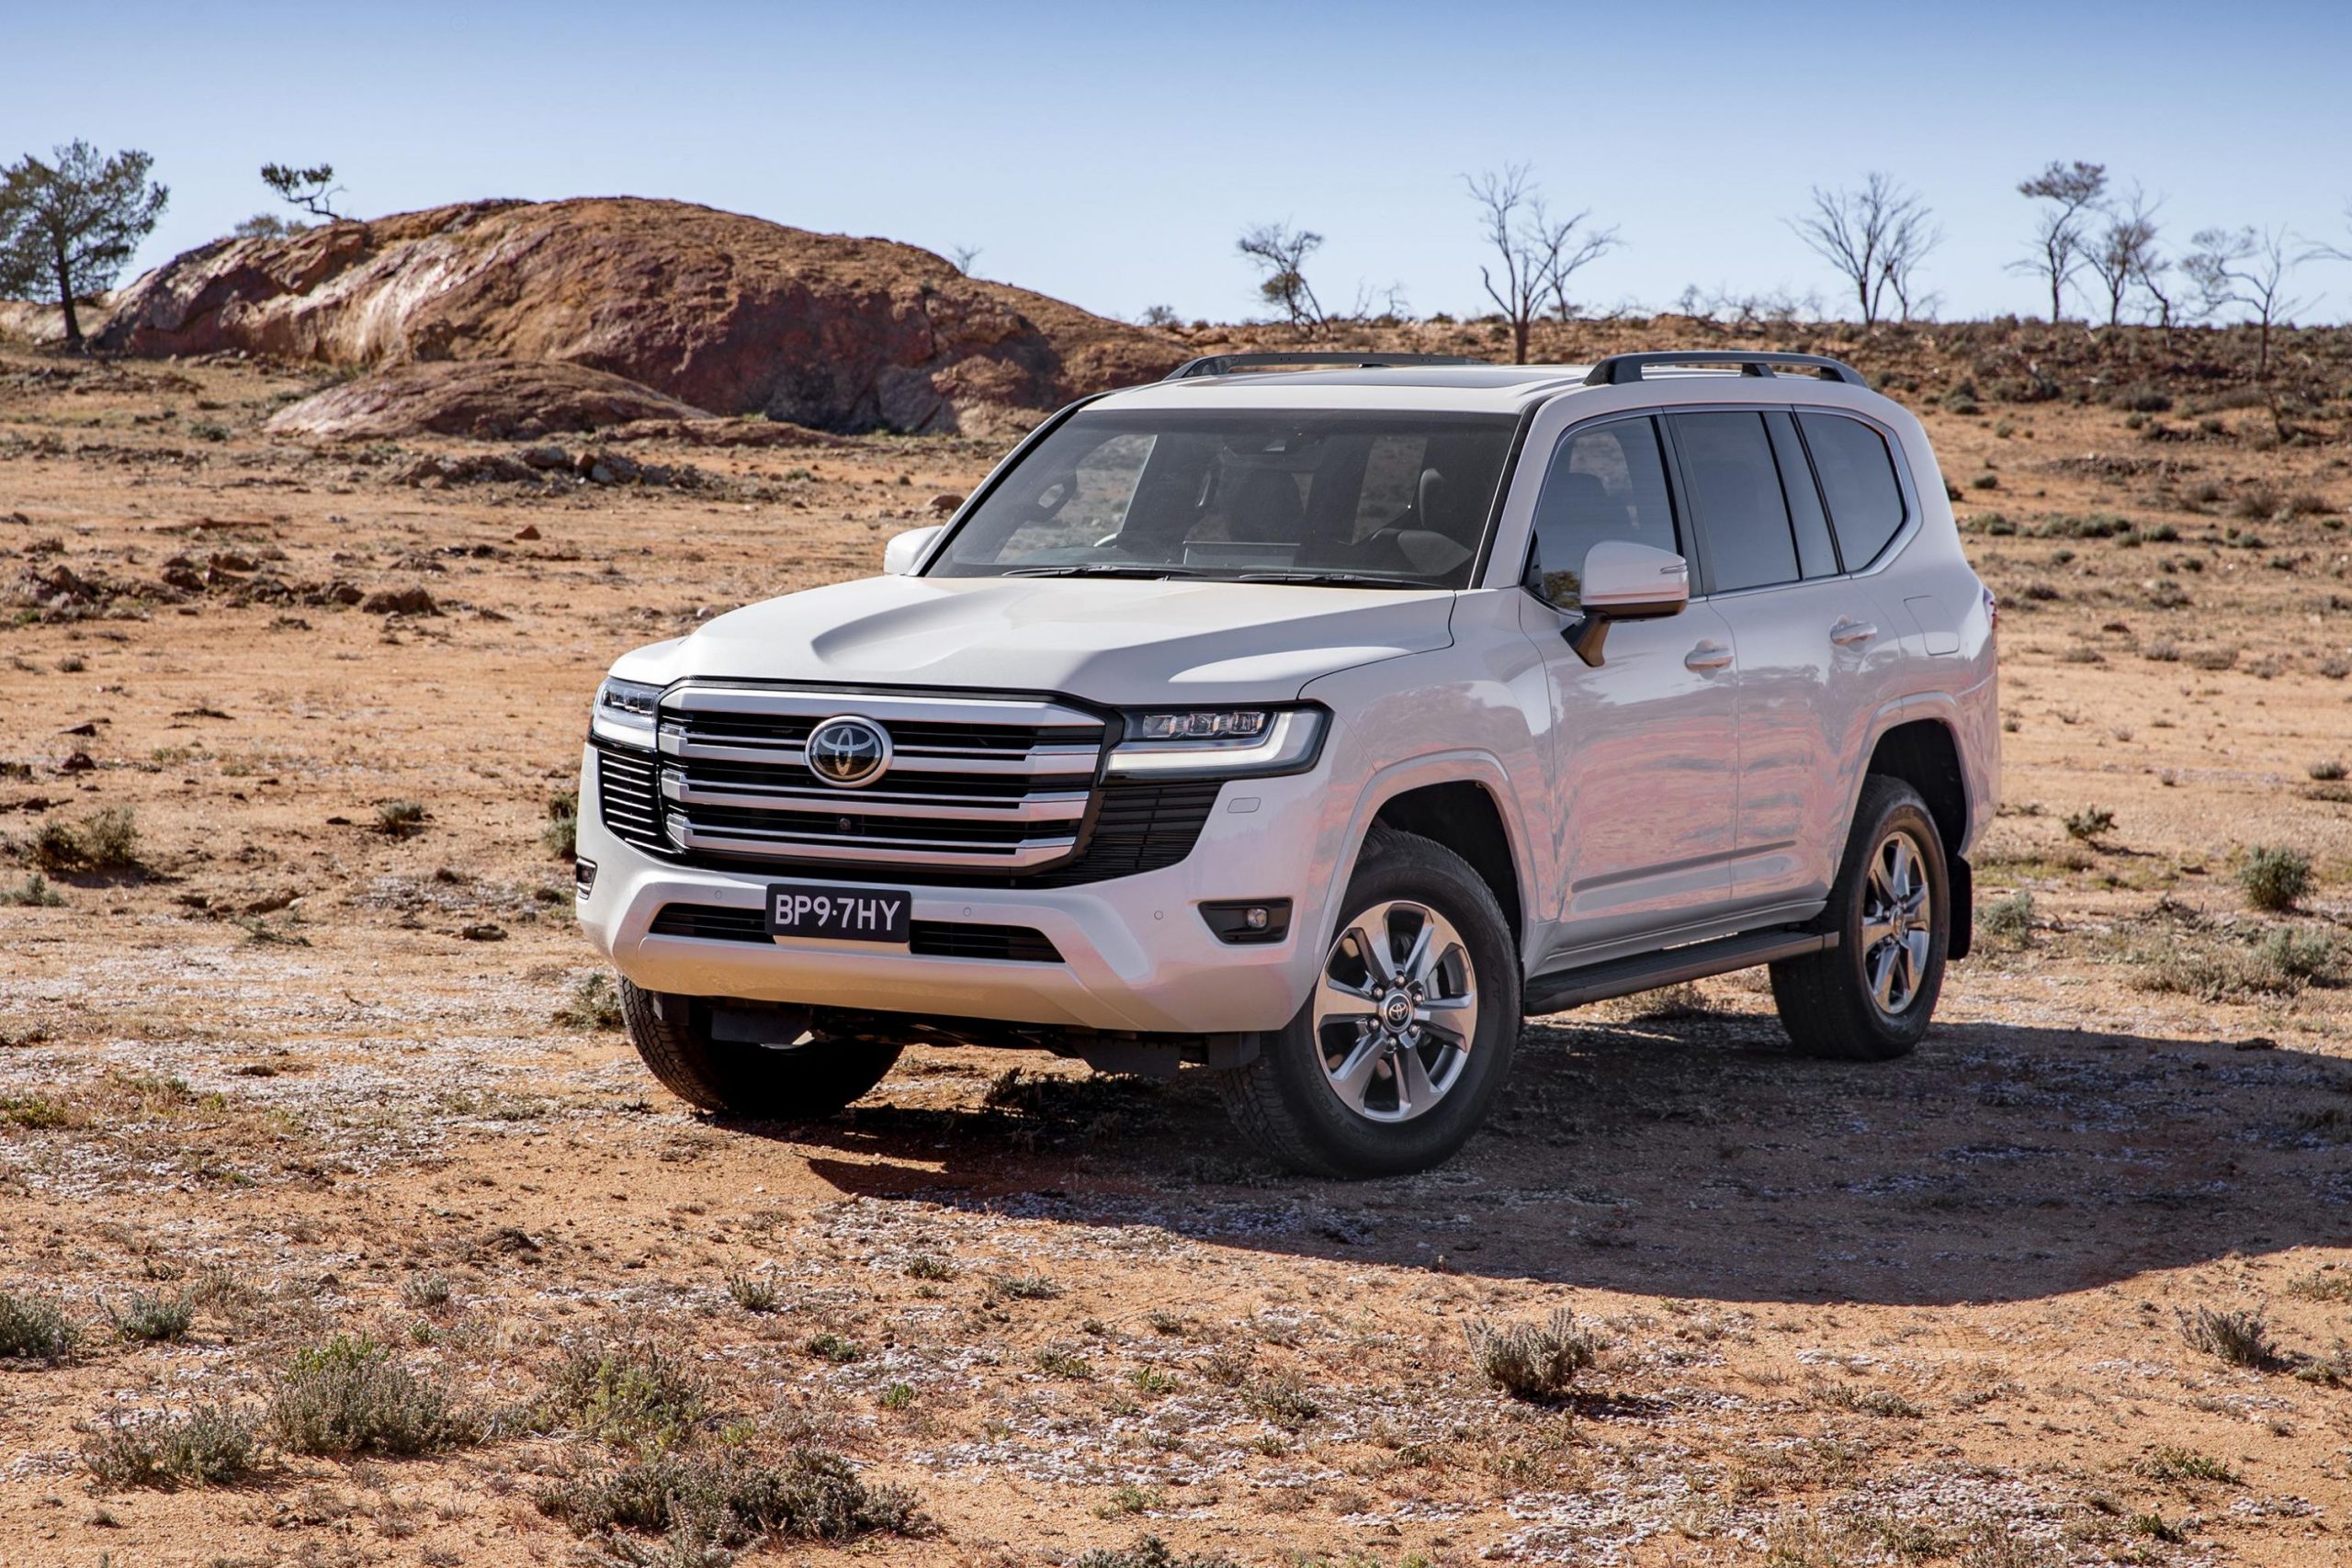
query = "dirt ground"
{"x": 301, "y": 1064}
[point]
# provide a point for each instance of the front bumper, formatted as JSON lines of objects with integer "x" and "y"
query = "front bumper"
{"x": 1135, "y": 954}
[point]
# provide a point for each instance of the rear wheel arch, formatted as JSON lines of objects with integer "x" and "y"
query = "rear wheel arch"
{"x": 1925, "y": 754}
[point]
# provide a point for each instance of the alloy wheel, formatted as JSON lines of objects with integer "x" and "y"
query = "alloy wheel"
{"x": 1395, "y": 1012}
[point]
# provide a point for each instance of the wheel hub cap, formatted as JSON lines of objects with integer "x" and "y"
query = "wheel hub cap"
{"x": 1395, "y": 1012}
{"x": 1898, "y": 922}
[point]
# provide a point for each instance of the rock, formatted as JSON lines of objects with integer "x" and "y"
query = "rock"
{"x": 611, "y": 469}
{"x": 482, "y": 931}
{"x": 494, "y": 400}
{"x": 528, "y": 531}
{"x": 76, "y": 762}
{"x": 549, "y": 456}
{"x": 720, "y": 311}
{"x": 942, "y": 506}
{"x": 399, "y": 601}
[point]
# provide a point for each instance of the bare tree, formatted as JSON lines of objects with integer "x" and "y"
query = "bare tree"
{"x": 1537, "y": 253}
{"x": 2122, "y": 256}
{"x": 2061, "y": 231}
{"x": 1280, "y": 252}
{"x": 2246, "y": 267}
{"x": 961, "y": 257}
{"x": 71, "y": 224}
{"x": 2321, "y": 251}
{"x": 313, "y": 190}
{"x": 1876, "y": 237}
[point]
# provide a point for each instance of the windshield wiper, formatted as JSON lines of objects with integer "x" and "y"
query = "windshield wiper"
{"x": 1333, "y": 580}
{"x": 1101, "y": 569}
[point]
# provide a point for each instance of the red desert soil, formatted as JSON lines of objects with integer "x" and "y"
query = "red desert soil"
{"x": 302, "y": 1063}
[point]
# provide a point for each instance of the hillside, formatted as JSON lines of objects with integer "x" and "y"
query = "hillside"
{"x": 728, "y": 313}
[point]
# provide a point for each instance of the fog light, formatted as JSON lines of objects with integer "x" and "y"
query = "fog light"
{"x": 1249, "y": 919}
{"x": 584, "y": 876}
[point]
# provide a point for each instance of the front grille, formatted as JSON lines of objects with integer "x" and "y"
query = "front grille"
{"x": 928, "y": 939}
{"x": 625, "y": 786}
{"x": 979, "y": 793}
{"x": 972, "y": 782}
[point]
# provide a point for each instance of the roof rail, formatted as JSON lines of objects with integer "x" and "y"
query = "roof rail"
{"x": 1368, "y": 359}
{"x": 1619, "y": 369}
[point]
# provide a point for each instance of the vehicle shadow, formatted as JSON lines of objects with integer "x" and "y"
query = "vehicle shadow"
{"x": 1695, "y": 1157}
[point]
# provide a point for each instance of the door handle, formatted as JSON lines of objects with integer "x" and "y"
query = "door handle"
{"x": 1847, "y": 632}
{"x": 1707, "y": 656}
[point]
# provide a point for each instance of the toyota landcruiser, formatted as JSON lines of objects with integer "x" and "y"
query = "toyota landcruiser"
{"x": 1310, "y": 721}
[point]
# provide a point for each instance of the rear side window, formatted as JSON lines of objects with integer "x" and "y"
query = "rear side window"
{"x": 1811, "y": 523}
{"x": 1606, "y": 481}
{"x": 1736, "y": 499}
{"x": 1859, "y": 483}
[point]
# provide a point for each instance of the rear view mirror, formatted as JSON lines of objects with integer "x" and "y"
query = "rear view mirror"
{"x": 1626, "y": 581}
{"x": 904, "y": 551}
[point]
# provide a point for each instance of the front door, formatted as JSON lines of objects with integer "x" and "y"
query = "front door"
{"x": 1644, "y": 745}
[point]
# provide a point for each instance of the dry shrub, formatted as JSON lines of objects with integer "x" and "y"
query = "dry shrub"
{"x": 2238, "y": 1336}
{"x": 1528, "y": 1362}
{"x": 2274, "y": 878}
{"x": 33, "y": 1328}
{"x": 209, "y": 1446}
{"x": 730, "y": 1498}
{"x": 640, "y": 1394}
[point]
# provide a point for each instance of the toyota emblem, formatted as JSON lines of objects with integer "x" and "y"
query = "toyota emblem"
{"x": 846, "y": 753}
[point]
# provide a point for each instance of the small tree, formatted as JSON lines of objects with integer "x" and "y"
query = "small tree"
{"x": 268, "y": 226}
{"x": 1537, "y": 254}
{"x": 2060, "y": 234}
{"x": 1280, "y": 252}
{"x": 313, "y": 190}
{"x": 71, "y": 224}
{"x": 2122, "y": 256}
{"x": 961, "y": 257}
{"x": 1876, "y": 237}
{"x": 2246, "y": 267}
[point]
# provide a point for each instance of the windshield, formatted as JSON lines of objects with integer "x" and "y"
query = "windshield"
{"x": 1376, "y": 499}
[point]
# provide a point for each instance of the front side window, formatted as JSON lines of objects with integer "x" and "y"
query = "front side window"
{"x": 1606, "y": 481}
{"x": 1736, "y": 499}
{"x": 1372, "y": 499}
{"x": 1857, "y": 481}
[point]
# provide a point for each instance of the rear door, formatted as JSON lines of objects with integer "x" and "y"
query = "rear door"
{"x": 1811, "y": 639}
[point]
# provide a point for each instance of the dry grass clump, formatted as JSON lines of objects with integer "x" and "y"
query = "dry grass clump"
{"x": 33, "y": 893}
{"x": 1149, "y": 1552}
{"x": 108, "y": 841}
{"x": 560, "y": 837}
{"x": 595, "y": 1003}
{"x": 2008, "y": 919}
{"x": 209, "y": 1446}
{"x": 2330, "y": 1284}
{"x": 1883, "y": 1402}
{"x": 2239, "y": 1337}
{"x": 349, "y": 1396}
{"x": 1529, "y": 1362}
{"x": 33, "y": 1328}
{"x": 2274, "y": 878}
{"x": 2171, "y": 1463}
{"x": 400, "y": 819}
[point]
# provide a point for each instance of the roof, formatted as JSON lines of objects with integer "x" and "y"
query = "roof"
{"x": 1496, "y": 388}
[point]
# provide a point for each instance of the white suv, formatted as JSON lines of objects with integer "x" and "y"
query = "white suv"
{"x": 1313, "y": 726}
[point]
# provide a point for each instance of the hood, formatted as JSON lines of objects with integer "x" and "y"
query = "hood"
{"x": 1117, "y": 642}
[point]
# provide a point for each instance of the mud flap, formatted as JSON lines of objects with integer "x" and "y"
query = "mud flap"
{"x": 1963, "y": 906}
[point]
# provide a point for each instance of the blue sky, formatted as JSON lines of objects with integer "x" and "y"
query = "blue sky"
{"x": 1109, "y": 154}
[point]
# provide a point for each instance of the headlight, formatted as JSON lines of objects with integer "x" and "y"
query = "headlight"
{"x": 1218, "y": 743}
{"x": 625, "y": 713}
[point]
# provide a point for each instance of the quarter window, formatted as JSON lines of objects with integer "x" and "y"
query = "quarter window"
{"x": 1606, "y": 481}
{"x": 1735, "y": 492}
{"x": 1813, "y": 553}
{"x": 1859, "y": 483}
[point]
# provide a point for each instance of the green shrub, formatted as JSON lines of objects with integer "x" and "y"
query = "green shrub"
{"x": 209, "y": 1446}
{"x": 1528, "y": 1362}
{"x": 639, "y": 1394}
{"x": 2172, "y": 1462}
{"x": 156, "y": 1318}
{"x": 349, "y": 1396}
{"x": 560, "y": 837}
{"x": 754, "y": 1293}
{"x": 2089, "y": 823}
{"x": 108, "y": 841}
{"x": 2008, "y": 919}
{"x": 34, "y": 1328}
{"x": 2274, "y": 878}
{"x": 33, "y": 893}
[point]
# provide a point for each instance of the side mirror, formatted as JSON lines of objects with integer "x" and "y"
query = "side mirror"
{"x": 900, "y": 555}
{"x": 1626, "y": 581}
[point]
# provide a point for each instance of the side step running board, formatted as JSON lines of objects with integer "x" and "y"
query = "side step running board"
{"x": 1566, "y": 988}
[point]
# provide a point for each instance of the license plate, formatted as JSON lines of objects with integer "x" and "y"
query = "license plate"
{"x": 841, "y": 914}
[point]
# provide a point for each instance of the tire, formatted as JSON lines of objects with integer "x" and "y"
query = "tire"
{"x": 1835, "y": 1005}
{"x": 1287, "y": 1101}
{"x": 772, "y": 1083}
